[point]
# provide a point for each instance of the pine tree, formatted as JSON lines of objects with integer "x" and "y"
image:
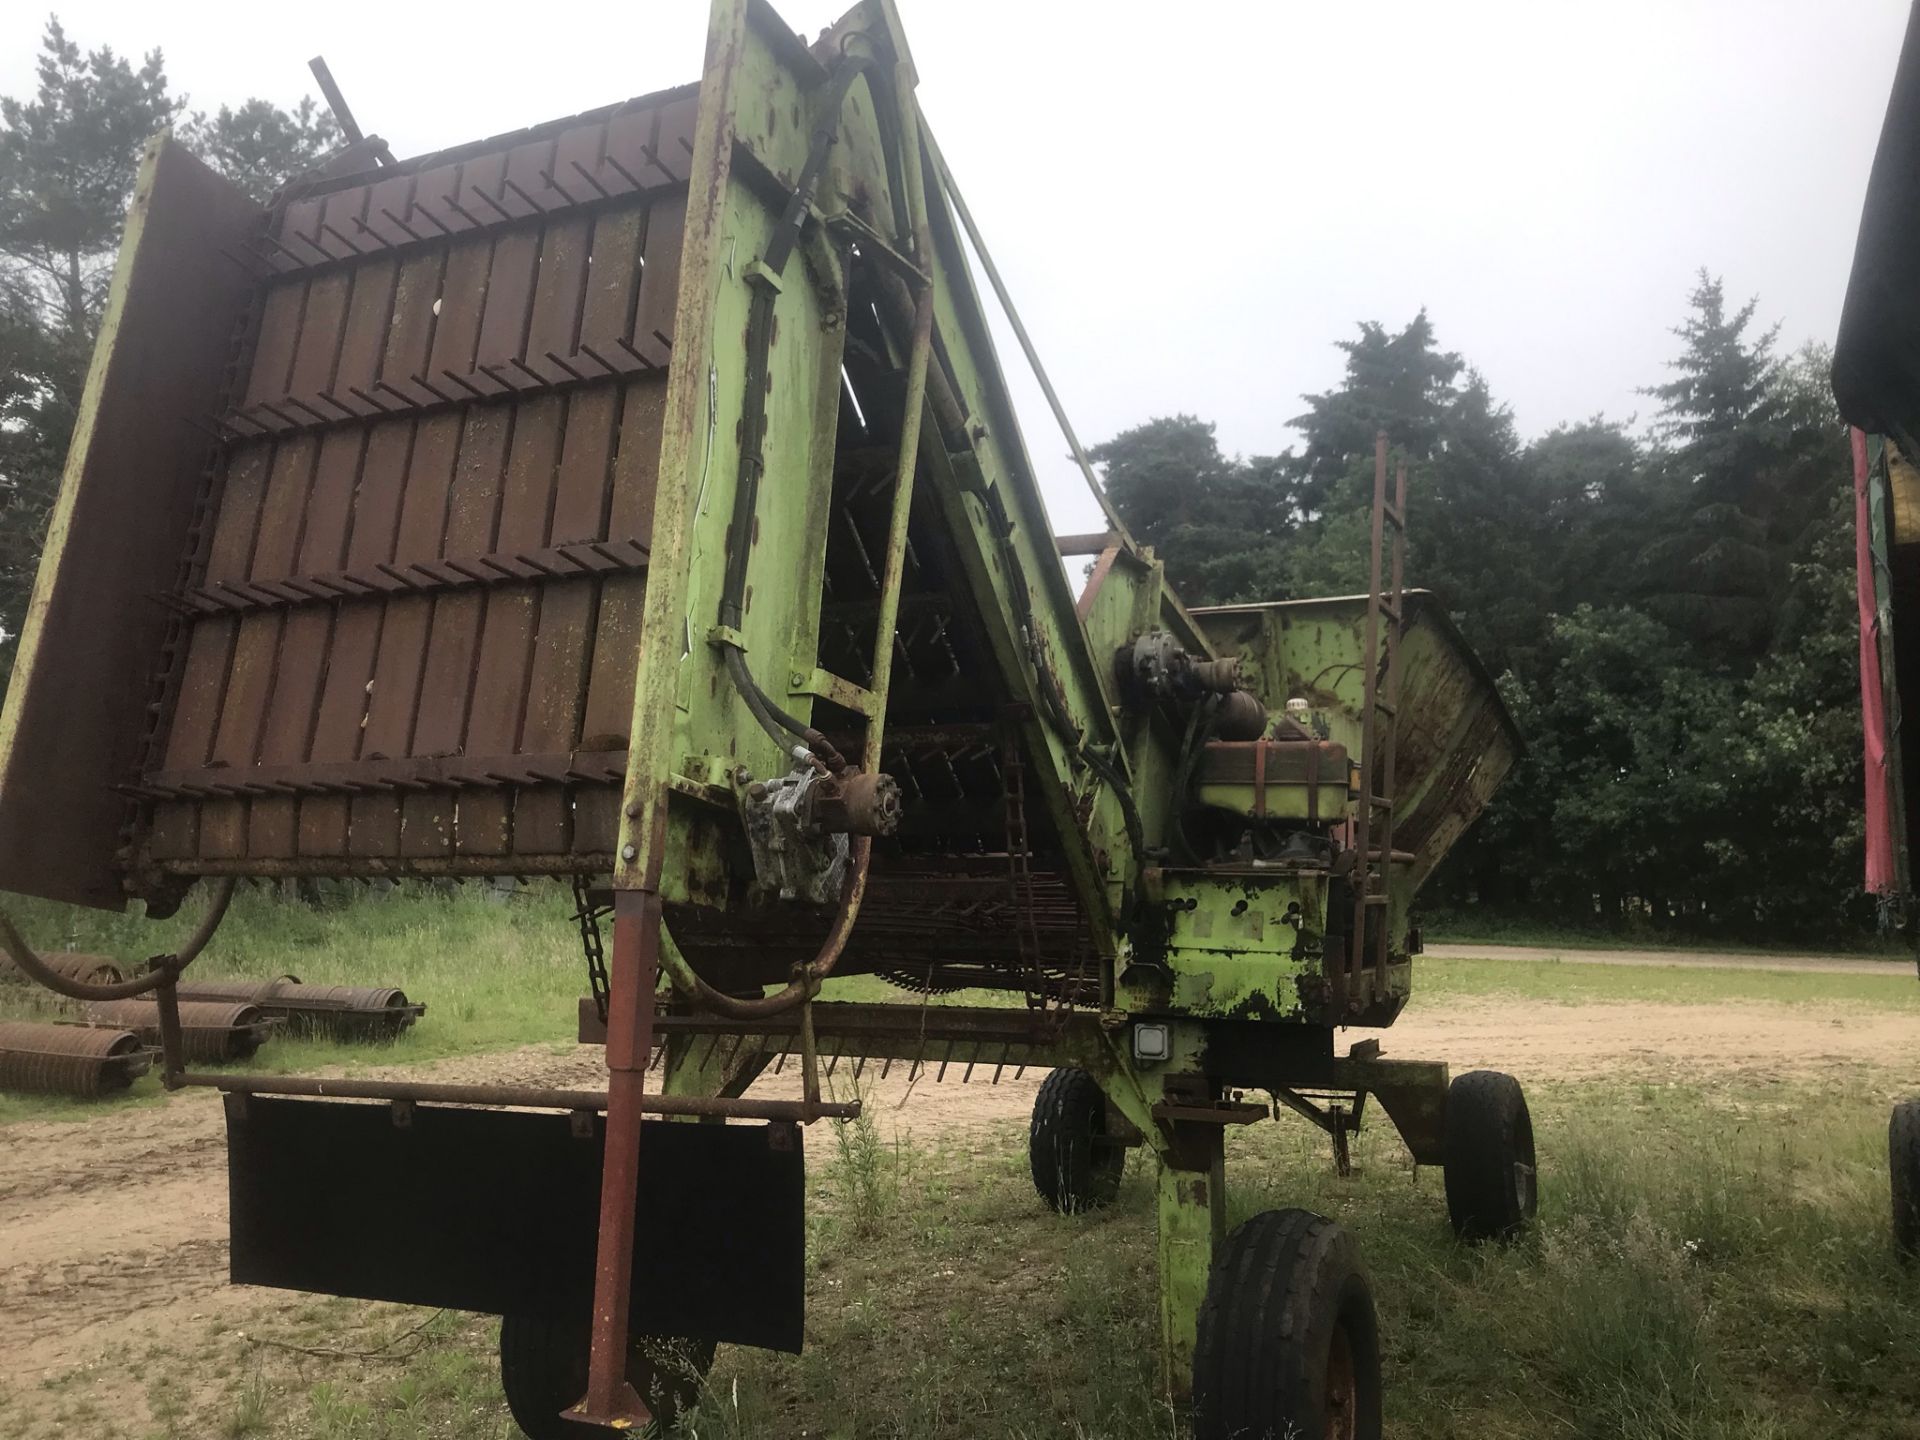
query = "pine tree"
{"x": 68, "y": 161}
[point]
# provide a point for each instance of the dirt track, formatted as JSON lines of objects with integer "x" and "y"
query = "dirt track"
{"x": 116, "y": 1227}
{"x": 1679, "y": 959}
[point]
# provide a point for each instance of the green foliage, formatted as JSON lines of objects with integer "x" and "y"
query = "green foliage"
{"x": 259, "y": 145}
{"x": 1671, "y": 617}
{"x": 68, "y": 160}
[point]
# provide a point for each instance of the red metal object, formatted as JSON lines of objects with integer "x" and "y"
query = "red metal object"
{"x": 632, "y": 972}
{"x": 1873, "y": 703}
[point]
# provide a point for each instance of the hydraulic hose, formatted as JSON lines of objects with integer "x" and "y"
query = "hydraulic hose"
{"x": 164, "y": 967}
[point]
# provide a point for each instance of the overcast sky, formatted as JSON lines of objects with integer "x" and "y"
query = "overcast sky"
{"x": 1191, "y": 203}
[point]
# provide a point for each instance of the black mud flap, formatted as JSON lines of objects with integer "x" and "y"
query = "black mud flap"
{"x": 498, "y": 1212}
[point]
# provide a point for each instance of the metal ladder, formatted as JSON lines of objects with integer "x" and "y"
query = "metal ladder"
{"x": 1373, "y": 840}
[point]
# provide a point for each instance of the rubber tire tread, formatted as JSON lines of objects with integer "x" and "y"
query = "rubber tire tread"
{"x": 1484, "y": 1110}
{"x": 536, "y": 1391}
{"x": 1071, "y": 1171}
{"x": 1279, "y": 1286}
{"x": 1903, "y": 1165}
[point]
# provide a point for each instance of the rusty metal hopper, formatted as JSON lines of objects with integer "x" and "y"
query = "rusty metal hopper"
{"x": 1456, "y": 742}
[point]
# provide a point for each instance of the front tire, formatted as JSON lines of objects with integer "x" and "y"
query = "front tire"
{"x": 543, "y": 1370}
{"x": 1903, "y": 1161}
{"x": 1493, "y": 1185}
{"x": 1077, "y": 1163}
{"x": 1288, "y": 1345}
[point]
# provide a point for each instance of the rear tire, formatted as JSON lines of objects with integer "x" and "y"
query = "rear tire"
{"x": 1903, "y": 1161}
{"x": 1288, "y": 1346}
{"x": 543, "y": 1370}
{"x": 1076, "y": 1164}
{"x": 1493, "y": 1186}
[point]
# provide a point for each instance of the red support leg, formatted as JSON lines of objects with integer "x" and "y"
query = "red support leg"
{"x": 632, "y": 969}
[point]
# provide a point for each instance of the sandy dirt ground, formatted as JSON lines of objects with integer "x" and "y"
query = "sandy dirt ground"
{"x": 1678, "y": 959}
{"x": 115, "y": 1228}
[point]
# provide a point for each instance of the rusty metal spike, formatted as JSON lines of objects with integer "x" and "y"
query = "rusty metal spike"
{"x": 624, "y": 173}
{"x": 504, "y": 213}
{"x": 423, "y": 213}
{"x": 317, "y": 415}
{"x": 553, "y": 184}
{"x": 538, "y": 208}
{"x": 461, "y": 381}
{"x": 342, "y": 238}
{"x": 564, "y": 366}
{"x": 357, "y": 392}
{"x": 598, "y": 358}
{"x": 585, "y": 175}
{"x": 457, "y": 208}
{"x": 538, "y": 378}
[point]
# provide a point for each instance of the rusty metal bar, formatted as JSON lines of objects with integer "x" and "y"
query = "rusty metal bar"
{"x": 519, "y": 1097}
{"x": 633, "y": 972}
{"x": 579, "y": 560}
{"x": 164, "y": 966}
{"x": 336, "y": 102}
{"x": 450, "y": 772}
{"x": 309, "y": 419}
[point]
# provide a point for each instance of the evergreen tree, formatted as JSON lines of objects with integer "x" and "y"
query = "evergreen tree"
{"x": 258, "y": 145}
{"x": 68, "y": 161}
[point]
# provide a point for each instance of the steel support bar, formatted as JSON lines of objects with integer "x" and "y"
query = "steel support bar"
{"x": 518, "y": 1097}
{"x": 633, "y": 969}
{"x": 1193, "y": 1223}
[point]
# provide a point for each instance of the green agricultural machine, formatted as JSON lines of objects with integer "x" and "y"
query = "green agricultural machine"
{"x": 1876, "y": 381}
{"x": 637, "y": 500}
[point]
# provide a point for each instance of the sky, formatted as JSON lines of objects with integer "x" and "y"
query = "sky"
{"x": 1192, "y": 203}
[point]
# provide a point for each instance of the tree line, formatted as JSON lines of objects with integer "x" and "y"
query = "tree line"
{"x": 1669, "y": 611}
{"x": 68, "y": 159}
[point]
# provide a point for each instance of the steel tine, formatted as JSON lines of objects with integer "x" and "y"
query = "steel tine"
{"x": 553, "y": 184}
{"x": 538, "y": 378}
{"x": 538, "y": 208}
{"x": 624, "y": 173}
{"x": 337, "y": 234}
{"x": 356, "y": 391}
{"x": 557, "y": 360}
{"x": 401, "y": 225}
{"x": 504, "y": 213}
{"x": 465, "y": 214}
{"x": 944, "y": 1061}
{"x": 587, "y": 176}
{"x": 424, "y": 214}
{"x": 598, "y": 358}
{"x": 471, "y": 389}
{"x": 887, "y": 1069}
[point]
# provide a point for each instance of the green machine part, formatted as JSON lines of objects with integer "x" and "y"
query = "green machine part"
{"x": 872, "y": 729}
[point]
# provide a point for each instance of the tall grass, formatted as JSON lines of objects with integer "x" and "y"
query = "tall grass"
{"x": 494, "y": 969}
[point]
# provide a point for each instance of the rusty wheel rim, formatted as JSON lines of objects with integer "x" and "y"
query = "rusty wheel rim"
{"x": 1343, "y": 1389}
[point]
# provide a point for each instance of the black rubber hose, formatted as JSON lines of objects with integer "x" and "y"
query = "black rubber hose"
{"x": 165, "y": 967}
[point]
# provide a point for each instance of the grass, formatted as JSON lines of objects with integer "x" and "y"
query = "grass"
{"x": 494, "y": 971}
{"x": 1710, "y": 1264}
{"x": 1486, "y": 927}
{"x": 1572, "y": 982}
